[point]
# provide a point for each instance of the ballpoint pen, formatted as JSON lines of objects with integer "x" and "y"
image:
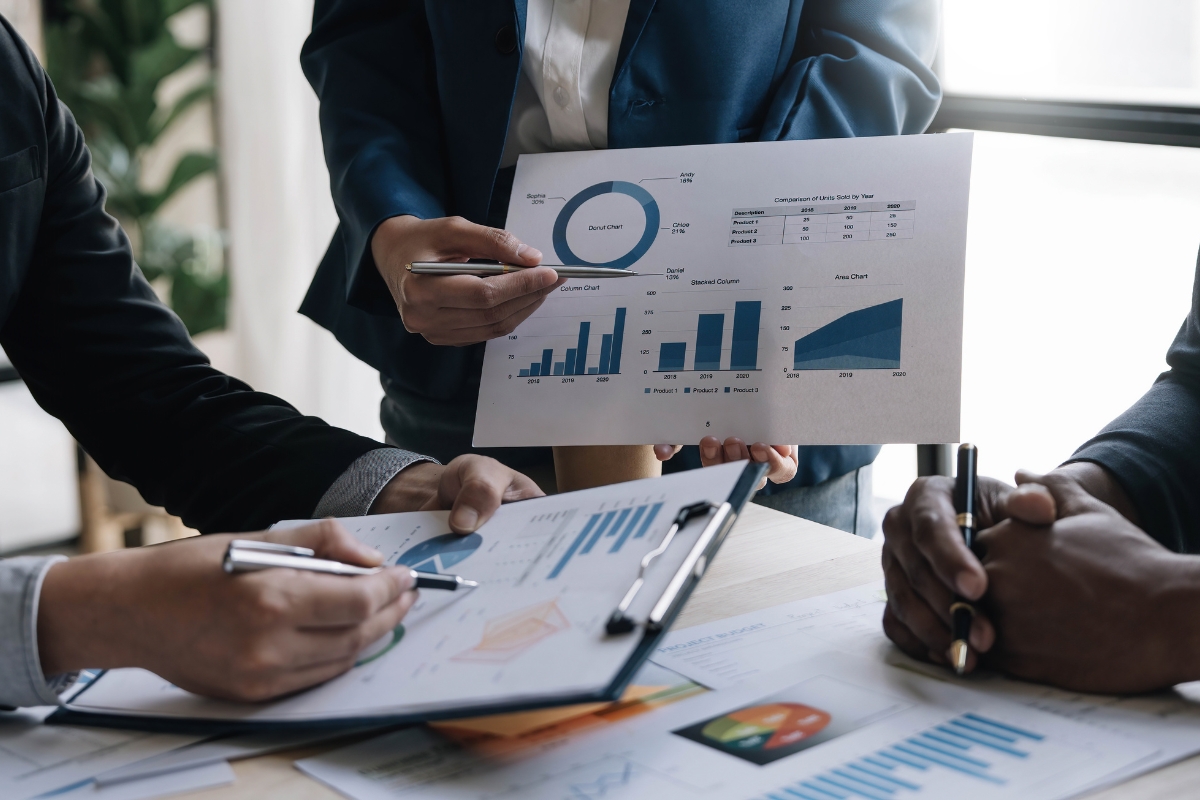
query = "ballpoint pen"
{"x": 482, "y": 270}
{"x": 248, "y": 555}
{"x": 961, "y": 611}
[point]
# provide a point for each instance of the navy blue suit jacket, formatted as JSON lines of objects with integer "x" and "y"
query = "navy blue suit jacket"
{"x": 415, "y": 104}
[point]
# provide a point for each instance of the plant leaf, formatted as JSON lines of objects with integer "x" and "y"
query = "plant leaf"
{"x": 199, "y": 92}
{"x": 188, "y": 168}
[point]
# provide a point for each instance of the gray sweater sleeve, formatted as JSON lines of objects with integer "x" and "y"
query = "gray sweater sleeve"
{"x": 21, "y": 680}
{"x": 352, "y": 494}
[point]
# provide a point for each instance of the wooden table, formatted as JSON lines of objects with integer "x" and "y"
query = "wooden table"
{"x": 769, "y": 558}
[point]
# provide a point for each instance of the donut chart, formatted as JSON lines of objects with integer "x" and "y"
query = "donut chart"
{"x": 644, "y": 199}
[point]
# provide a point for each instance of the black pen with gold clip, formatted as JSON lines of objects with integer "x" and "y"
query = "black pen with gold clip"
{"x": 962, "y": 612}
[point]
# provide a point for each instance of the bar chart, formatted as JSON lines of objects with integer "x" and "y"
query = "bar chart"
{"x": 969, "y": 745}
{"x": 620, "y": 525}
{"x": 575, "y": 360}
{"x": 708, "y": 348}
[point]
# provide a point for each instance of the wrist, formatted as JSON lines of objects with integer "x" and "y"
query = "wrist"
{"x": 411, "y": 489}
{"x": 80, "y": 605}
{"x": 1175, "y": 644}
{"x": 1102, "y": 485}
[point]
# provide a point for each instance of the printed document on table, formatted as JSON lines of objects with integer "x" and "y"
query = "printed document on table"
{"x": 551, "y": 570}
{"x": 36, "y": 758}
{"x": 806, "y": 292}
{"x": 834, "y": 726}
{"x": 729, "y": 652}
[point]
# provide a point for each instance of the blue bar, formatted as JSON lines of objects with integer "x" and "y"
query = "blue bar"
{"x": 581, "y": 354}
{"x": 522, "y": 373}
{"x": 547, "y": 357}
{"x": 975, "y": 762}
{"x": 709, "y": 333}
{"x": 605, "y": 352}
{"x": 879, "y": 764}
{"x": 854, "y": 790}
{"x": 593, "y": 370}
{"x": 649, "y": 518}
{"x": 560, "y": 367}
{"x": 860, "y": 779}
{"x": 975, "y": 717}
{"x": 637, "y": 514}
{"x": 882, "y": 777}
{"x": 907, "y": 760}
{"x": 943, "y": 740}
{"x": 574, "y": 546}
{"x": 535, "y": 369}
{"x": 620, "y": 520}
{"x": 671, "y": 355}
{"x": 569, "y": 364}
{"x": 982, "y": 731}
{"x": 976, "y": 738}
{"x": 587, "y": 548}
{"x": 821, "y": 790}
{"x": 800, "y": 794}
{"x": 950, "y": 764}
{"x": 745, "y": 335}
{"x": 614, "y": 363}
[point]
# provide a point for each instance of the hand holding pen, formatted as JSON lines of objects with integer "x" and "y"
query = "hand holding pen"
{"x": 962, "y": 611}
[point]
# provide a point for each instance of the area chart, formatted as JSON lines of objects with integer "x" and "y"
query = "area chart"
{"x": 864, "y": 339}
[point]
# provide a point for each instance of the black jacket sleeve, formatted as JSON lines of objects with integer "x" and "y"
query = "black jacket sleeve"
{"x": 101, "y": 353}
{"x": 1153, "y": 449}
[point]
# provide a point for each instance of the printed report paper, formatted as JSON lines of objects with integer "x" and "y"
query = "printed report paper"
{"x": 801, "y": 292}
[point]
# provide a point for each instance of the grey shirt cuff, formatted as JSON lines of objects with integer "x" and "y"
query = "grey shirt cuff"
{"x": 21, "y": 680}
{"x": 352, "y": 494}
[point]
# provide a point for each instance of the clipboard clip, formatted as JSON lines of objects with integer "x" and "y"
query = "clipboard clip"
{"x": 692, "y": 568}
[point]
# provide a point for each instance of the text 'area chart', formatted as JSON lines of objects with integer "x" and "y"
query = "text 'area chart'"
{"x": 784, "y": 291}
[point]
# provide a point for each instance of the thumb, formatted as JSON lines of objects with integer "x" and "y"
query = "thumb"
{"x": 1069, "y": 497}
{"x": 330, "y": 540}
{"x": 499, "y": 244}
{"x": 475, "y": 486}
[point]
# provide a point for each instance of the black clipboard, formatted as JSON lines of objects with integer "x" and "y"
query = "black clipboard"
{"x": 717, "y": 518}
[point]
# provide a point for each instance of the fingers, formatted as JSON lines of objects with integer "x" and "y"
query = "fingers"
{"x": 1069, "y": 497}
{"x": 481, "y": 333}
{"x": 325, "y": 601}
{"x": 710, "y": 451}
{"x": 330, "y": 540}
{"x": 481, "y": 241}
{"x": 781, "y": 460}
{"x": 464, "y": 309}
{"x": 1032, "y": 504}
{"x": 665, "y": 452}
{"x": 933, "y": 526}
{"x": 473, "y": 487}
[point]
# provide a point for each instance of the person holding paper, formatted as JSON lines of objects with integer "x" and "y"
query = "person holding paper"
{"x": 425, "y": 108}
{"x": 98, "y": 350}
{"x": 1087, "y": 577}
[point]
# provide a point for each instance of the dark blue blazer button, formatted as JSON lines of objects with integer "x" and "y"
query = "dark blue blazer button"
{"x": 506, "y": 40}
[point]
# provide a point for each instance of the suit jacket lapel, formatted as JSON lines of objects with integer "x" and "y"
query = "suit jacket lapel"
{"x": 639, "y": 12}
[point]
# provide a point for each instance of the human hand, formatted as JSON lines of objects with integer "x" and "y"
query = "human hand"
{"x": 458, "y": 309}
{"x": 1089, "y": 603}
{"x": 926, "y": 562}
{"x": 781, "y": 459}
{"x": 172, "y": 609}
{"x": 471, "y": 486}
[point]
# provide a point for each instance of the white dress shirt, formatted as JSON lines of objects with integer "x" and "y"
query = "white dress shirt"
{"x": 562, "y": 95}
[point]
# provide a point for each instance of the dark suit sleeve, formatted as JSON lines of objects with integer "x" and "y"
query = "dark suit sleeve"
{"x": 100, "y": 352}
{"x": 859, "y": 68}
{"x": 371, "y": 65}
{"x": 1153, "y": 449}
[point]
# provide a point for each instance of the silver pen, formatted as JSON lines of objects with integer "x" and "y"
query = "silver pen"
{"x": 483, "y": 270}
{"x": 249, "y": 555}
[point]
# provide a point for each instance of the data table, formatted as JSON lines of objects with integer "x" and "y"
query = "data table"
{"x": 829, "y": 222}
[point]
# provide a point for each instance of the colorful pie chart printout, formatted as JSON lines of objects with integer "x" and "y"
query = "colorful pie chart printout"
{"x": 816, "y": 711}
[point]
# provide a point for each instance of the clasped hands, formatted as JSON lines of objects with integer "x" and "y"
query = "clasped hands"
{"x": 1069, "y": 590}
{"x": 464, "y": 309}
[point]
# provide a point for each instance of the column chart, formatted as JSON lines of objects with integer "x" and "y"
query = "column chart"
{"x": 708, "y": 350}
{"x": 575, "y": 360}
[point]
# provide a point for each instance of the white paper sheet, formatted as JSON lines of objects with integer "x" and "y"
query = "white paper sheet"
{"x": 37, "y": 758}
{"x": 552, "y": 571}
{"x": 191, "y": 779}
{"x": 803, "y": 291}
{"x": 726, "y": 653}
{"x": 831, "y": 722}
